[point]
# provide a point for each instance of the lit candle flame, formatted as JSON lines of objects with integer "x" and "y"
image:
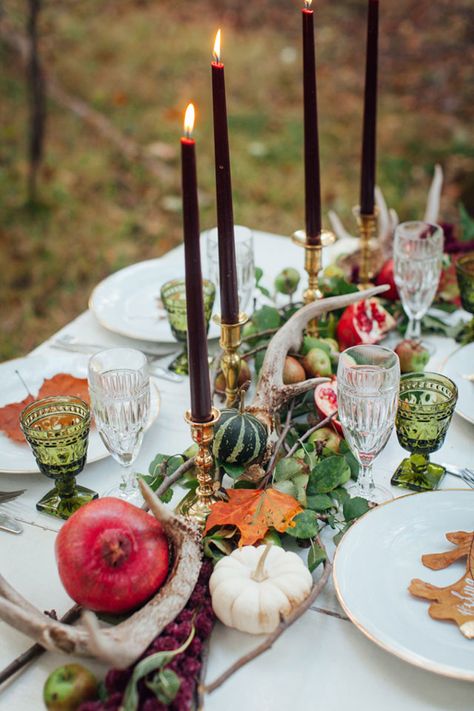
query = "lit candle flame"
{"x": 307, "y": 4}
{"x": 217, "y": 47}
{"x": 189, "y": 120}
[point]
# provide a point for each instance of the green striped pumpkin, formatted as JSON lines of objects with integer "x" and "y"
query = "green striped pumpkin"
{"x": 239, "y": 438}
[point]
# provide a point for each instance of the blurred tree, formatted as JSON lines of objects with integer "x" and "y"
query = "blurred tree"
{"x": 37, "y": 100}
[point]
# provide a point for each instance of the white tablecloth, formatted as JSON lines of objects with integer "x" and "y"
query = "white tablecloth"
{"x": 321, "y": 662}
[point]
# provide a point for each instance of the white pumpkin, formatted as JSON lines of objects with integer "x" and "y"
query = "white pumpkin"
{"x": 254, "y": 586}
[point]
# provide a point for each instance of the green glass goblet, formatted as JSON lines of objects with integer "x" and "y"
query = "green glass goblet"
{"x": 57, "y": 430}
{"x": 173, "y": 297}
{"x": 425, "y": 408}
{"x": 465, "y": 275}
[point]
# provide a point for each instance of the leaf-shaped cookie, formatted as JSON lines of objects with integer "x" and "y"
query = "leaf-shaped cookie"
{"x": 453, "y": 602}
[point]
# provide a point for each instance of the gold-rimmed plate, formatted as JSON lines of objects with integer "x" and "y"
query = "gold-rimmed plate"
{"x": 17, "y": 458}
{"x": 375, "y": 563}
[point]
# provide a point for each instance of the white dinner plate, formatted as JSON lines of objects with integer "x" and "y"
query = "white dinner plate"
{"x": 17, "y": 458}
{"x": 460, "y": 363}
{"x": 127, "y": 302}
{"x": 375, "y": 563}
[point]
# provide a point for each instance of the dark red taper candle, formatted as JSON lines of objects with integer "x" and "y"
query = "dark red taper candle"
{"x": 201, "y": 409}
{"x": 311, "y": 140}
{"x": 225, "y": 214}
{"x": 367, "y": 178}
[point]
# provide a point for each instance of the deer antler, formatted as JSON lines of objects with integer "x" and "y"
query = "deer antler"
{"x": 387, "y": 221}
{"x": 271, "y": 392}
{"x": 124, "y": 643}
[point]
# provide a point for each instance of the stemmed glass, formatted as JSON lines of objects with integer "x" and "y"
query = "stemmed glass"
{"x": 425, "y": 409}
{"x": 368, "y": 378}
{"x": 57, "y": 430}
{"x": 173, "y": 297}
{"x": 244, "y": 260}
{"x": 417, "y": 254}
{"x": 119, "y": 387}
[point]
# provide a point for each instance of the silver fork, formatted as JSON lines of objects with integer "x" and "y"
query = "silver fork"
{"x": 464, "y": 473}
{"x": 69, "y": 343}
{"x": 10, "y": 495}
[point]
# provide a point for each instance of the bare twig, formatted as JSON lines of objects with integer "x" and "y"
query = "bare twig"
{"x": 271, "y": 639}
{"x": 309, "y": 432}
{"x": 36, "y": 650}
{"x": 280, "y": 440}
{"x": 257, "y": 349}
{"x": 37, "y": 101}
{"x": 259, "y": 334}
{"x": 172, "y": 479}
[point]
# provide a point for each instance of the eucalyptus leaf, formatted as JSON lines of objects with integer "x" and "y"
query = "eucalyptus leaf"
{"x": 146, "y": 666}
{"x": 316, "y": 556}
{"x": 320, "y": 502}
{"x": 338, "y": 536}
{"x": 233, "y": 470}
{"x": 265, "y": 318}
{"x": 286, "y": 487}
{"x": 354, "y": 508}
{"x": 165, "y": 685}
{"x": 288, "y": 468}
{"x": 245, "y": 484}
{"x": 350, "y": 458}
{"x": 340, "y": 495}
{"x": 327, "y": 475}
{"x": 306, "y": 525}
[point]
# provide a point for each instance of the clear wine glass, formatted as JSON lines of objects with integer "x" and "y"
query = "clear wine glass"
{"x": 245, "y": 263}
{"x": 417, "y": 253}
{"x": 368, "y": 379}
{"x": 119, "y": 387}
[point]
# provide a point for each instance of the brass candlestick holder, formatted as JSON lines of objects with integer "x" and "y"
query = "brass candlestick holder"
{"x": 231, "y": 338}
{"x": 198, "y": 505}
{"x": 312, "y": 265}
{"x": 367, "y": 225}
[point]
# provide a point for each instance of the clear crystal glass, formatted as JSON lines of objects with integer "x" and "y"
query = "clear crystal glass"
{"x": 119, "y": 386}
{"x": 245, "y": 263}
{"x": 368, "y": 379}
{"x": 417, "y": 253}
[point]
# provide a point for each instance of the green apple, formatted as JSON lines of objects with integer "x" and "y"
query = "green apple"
{"x": 286, "y": 282}
{"x": 328, "y": 437}
{"x": 317, "y": 362}
{"x": 67, "y": 687}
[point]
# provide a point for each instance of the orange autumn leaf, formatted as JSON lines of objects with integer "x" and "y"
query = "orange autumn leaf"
{"x": 65, "y": 384}
{"x": 60, "y": 384}
{"x": 254, "y": 511}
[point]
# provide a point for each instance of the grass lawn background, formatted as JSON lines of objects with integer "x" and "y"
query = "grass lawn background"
{"x": 140, "y": 62}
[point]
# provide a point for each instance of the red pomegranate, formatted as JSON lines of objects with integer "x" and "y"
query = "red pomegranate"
{"x": 386, "y": 276}
{"x": 325, "y": 398}
{"x": 111, "y": 556}
{"x": 364, "y": 322}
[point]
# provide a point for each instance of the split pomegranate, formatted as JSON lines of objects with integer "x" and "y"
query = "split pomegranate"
{"x": 364, "y": 322}
{"x": 112, "y": 556}
{"x": 325, "y": 398}
{"x": 386, "y": 276}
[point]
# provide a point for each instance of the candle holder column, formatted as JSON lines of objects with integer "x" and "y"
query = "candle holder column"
{"x": 313, "y": 265}
{"x": 197, "y": 506}
{"x": 367, "y": 227}
{"x": 231, "y": 338}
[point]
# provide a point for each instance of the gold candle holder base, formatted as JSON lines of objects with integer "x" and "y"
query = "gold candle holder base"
{"x": 231, "y": 338}
{"x": 312, "y": 265}
{"x": 198, "y": 506}
{"x": 367, "y": 225}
